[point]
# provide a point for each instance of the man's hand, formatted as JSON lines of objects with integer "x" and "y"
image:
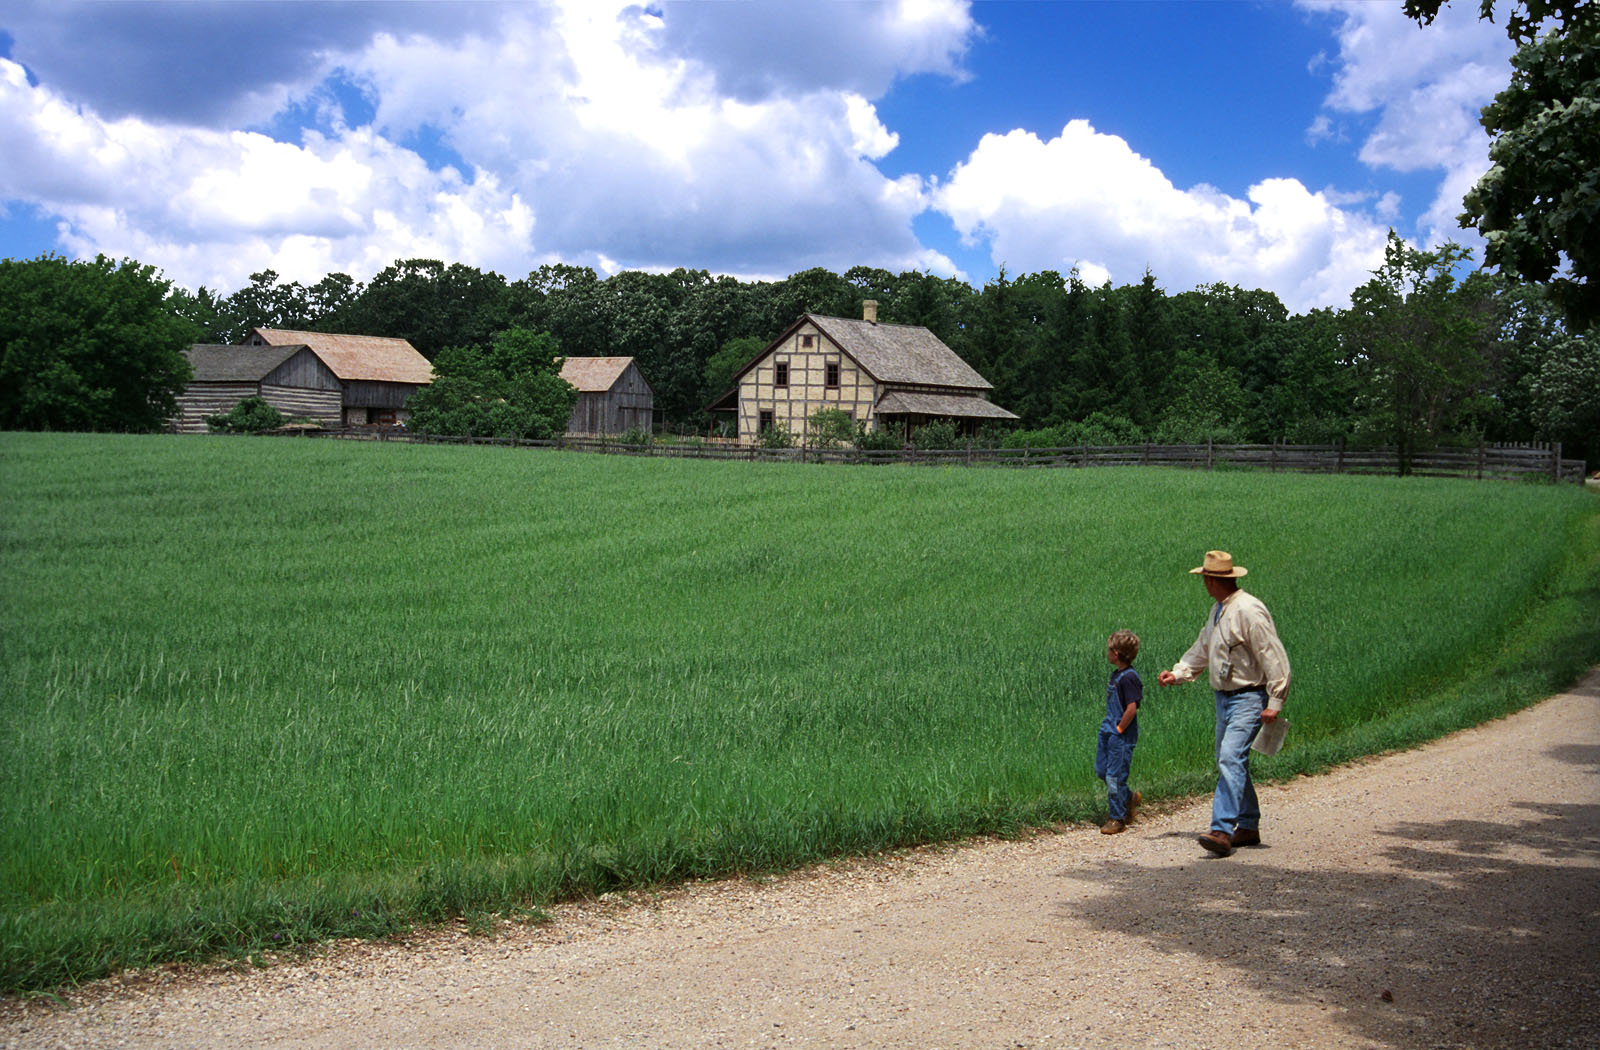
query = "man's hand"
{"x": 1167, "y": 678}
{"x": 1268, "y": 715}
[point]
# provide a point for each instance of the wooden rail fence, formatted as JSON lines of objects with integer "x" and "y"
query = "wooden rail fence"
{"x": 1487, "y": 462}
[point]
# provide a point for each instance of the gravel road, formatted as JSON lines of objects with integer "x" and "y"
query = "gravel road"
{"x": 1442, "y": 897}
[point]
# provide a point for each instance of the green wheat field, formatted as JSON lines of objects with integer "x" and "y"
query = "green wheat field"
{"x": 262, "y": 692}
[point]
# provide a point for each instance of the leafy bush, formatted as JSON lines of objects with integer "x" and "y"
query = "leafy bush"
{"x": 251, "y": 416}
{"x": 941, "y": 433}
{"x": 636, "y": 436}
{"x": 886, "y": 440}
{"x": 512, "y": 389}
{"x": 832, "y": 428}
{"x": 775, "y": 436}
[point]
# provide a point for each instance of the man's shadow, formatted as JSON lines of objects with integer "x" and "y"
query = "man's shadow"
{"x": 1465, "y": 944}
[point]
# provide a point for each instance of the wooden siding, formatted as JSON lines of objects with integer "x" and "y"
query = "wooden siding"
{"x": 629, "y": 404}
{"x": 792, "y": 406}
{"x": 200, "y": 400}
{"x": 371, "y": 393}
{"x": 304, "y": 370}
{"x": 324, "y": 406}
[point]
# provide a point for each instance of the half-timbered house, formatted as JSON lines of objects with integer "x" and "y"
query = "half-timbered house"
{"x": 885, "y": 376}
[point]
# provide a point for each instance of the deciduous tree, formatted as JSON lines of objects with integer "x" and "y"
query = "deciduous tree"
{"x": 89, "y": 346}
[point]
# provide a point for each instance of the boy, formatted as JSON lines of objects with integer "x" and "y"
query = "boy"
{"x": 1119, "y": 732}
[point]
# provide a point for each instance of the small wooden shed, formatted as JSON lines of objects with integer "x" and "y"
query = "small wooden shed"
{"x": 612, "y": 396}
{"x": 292, "y": 379}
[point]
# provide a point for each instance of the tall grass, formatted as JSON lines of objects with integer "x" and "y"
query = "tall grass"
{"x": 262, "y": 692}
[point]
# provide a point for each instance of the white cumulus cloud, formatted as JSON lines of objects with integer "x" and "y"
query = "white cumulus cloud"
{"x": 1087, "y": 199}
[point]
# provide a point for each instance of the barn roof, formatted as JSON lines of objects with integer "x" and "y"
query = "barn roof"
{"x": 370, "y": 357}
{"x": 237, "y": 364}
{"x": 593, "y": 375}
{"x": 957, "y": 406}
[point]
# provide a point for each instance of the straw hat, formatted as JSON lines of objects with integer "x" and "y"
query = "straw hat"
{"x": 1219, "y": 563}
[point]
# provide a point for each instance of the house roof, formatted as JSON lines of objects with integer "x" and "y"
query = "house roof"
{"x": 900, "y": 353}
{"x": 594, "y": 374}
{"x": 897, "y": 354}
{"x": 958, "y": 406}
{"x": 368, "y": 357}
{"x": 237, "y": 364}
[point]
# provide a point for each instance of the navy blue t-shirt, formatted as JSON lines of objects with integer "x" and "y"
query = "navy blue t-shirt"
{"x": 1124, "y": 688}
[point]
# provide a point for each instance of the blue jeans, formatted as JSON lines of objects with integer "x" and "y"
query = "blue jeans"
{"x": 1234, "y": 805}
{"x": 1113, "y": 757}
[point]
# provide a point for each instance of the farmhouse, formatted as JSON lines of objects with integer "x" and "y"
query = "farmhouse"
{"x": 612, "y": 396}
{"x": 883, "y": 375}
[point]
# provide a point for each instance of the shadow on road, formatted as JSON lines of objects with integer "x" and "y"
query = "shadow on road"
{"x": 1483, "y": 935}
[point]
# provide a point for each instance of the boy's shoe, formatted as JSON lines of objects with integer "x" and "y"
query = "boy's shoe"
{"x": 1113, "y": 827}
{"x": 1217, "y": 843}
{"x": 1133, "y": 806}
{"x": 1245, "y": 837}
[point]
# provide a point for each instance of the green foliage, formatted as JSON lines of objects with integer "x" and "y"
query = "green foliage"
{"x": 512, "y": 389}
{"x": 939, "y": 433}
{"x": 1538, "y": 205}
{"x": 637, "y": 436}
{"x": 877, "y": 439}
{"x": 775, "y": 436}
{"x": 726, "y": 362}
{"x": 251, "y": 416}
{"x": 831, "y": 428}
{"x": 1420, "y": 342}
{"x": 88, "y": 346}
{"x": 526, "y": 716}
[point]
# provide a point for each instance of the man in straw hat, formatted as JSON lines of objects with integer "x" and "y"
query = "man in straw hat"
{"x": 1250, "y": 676}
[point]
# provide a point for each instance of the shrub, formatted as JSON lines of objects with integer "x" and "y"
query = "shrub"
{"x": 877, "y": 440}
{"x": 832, "y": 428}
{"x": 636, "y": 436}
{"x": 775, "y": 436}
{"x": 941, "y": 433}
{"x": 251, "y": 416}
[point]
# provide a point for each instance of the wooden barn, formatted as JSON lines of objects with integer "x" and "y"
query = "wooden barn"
{"x": 886, "y": 376}
{"x": 292, "y": 379}
{"x": 612, "y": 396}
{"x": 376, "y": 374}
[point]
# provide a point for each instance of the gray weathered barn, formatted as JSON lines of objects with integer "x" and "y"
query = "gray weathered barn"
{"x": 336, "y": 380}
{"x": 612, "y": 396}
{"x": 292, "y": 379}
{"x": 376, "y": 374}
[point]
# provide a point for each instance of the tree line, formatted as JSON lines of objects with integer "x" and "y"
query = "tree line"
{"x": 1429, "y": 352}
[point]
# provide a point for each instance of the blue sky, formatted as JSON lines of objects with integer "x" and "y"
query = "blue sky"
{"x": 1268, "y": 145}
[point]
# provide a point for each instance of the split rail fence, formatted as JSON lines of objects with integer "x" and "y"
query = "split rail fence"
{"x": 1487, "y": 462}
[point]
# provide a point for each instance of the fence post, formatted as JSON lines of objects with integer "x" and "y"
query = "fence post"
{"x": 1272, "y": 458}
{"x": 1209, "y": 461}
{"x": 1338, "y": 466}
{"x": 1480, "y": 459}
{"x": 1555, "y": 462}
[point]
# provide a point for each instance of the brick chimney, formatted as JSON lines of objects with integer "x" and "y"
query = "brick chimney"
{"x": 869, "y": 311}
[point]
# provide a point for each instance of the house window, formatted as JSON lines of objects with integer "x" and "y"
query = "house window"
{"x": 807, "y": 342}
{"x": 830, "y": 373}
{"x": 780, "y": 374}
{"x": 766, "y": 421}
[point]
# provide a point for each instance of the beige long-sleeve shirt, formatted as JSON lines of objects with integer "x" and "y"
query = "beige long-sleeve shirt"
{"x": 1240, "y": 645}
